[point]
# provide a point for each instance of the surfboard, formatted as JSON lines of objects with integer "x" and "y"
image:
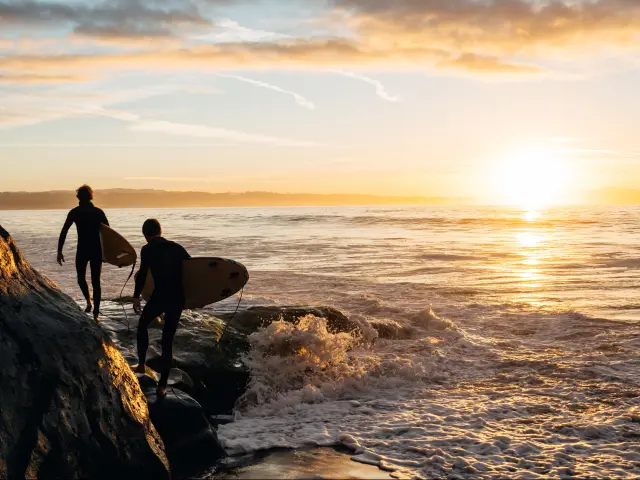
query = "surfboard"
{"x": 206, "y": 280}
{"x": 115, "y": 248}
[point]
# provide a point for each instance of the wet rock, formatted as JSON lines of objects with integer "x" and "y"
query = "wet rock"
{"x": 208, "y": 352}
{"x": 181, "y": 380}
{"x": 70, "y": 407}
{"x": 191, "y": 443}
{"x": 392, "y": 330}
{"x": 254, "y": 318}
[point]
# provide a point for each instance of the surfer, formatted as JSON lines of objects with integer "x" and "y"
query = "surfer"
{"x": 88, "y": 219}
{"x": 164, "y": 258}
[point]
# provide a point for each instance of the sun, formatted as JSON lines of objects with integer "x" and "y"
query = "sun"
{"x": 533, "y": 179}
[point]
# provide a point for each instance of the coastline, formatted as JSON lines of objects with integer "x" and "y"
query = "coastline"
{"x": 316, "y": 463}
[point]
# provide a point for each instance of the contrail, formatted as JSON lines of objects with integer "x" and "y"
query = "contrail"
{"x": 380, "y": 90}
{"x": 300, "y": 100}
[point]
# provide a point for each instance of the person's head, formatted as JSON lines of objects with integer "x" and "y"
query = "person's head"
{"x": 84, "y": 194}
{"x": 151, "y": 229}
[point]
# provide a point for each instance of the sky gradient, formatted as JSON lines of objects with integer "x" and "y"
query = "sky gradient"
{"x": 410, "y": 97}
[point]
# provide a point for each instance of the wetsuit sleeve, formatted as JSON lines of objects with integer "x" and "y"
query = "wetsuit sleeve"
{"x": 141, "y": 278}
{"x": 65, "y": 229}
{"x": 103, "y": 218}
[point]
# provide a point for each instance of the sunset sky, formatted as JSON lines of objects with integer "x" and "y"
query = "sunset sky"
{"x": 460, "y": 98}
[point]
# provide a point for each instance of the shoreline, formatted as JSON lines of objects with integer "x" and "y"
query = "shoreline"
{"x": 314, "y": 462}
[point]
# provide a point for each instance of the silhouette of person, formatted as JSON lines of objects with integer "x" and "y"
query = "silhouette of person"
{"x": 88, "y": 219}
{"x": 164, "y": 258}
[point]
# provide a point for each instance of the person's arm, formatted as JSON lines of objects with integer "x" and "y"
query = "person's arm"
{"x": 104, "y": 218}
{"x": 141, "y": 277}
{"x": 63, "y": 236}
{"x": 185, "y": 254}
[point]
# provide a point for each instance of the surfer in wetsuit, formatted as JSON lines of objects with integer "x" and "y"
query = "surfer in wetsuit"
{"x": 88, "y": 219}
{"x": 164, "y": 258}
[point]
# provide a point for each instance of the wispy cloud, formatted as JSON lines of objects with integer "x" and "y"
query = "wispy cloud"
{"x": 380, "y": 90}
{"x": 172, "y": 179}
{"x": 300, "y": 100}
{"x": 140, "y": 124}
{"x": 226, "y": 30}
{"x": 594, "y": 152}
{"x": 23, "y": 108}
{"x": 35, "y": 79}
{"x": 116, "y": 145}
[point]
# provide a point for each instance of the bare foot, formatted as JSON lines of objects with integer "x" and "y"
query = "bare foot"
{"x": 161, "y": 392}
{"x": 141, "y": 369}
{"x": 89, "y": 307}
{"x": 96, "y": 317}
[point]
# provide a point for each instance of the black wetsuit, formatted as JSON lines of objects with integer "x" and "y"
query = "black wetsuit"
{"x": 164, "y": 259}
{"x": 88, "y": 220}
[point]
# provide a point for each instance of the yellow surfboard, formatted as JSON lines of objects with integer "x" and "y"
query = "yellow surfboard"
{"x": 115, "y": 248}
{"x": 206, "y": 280}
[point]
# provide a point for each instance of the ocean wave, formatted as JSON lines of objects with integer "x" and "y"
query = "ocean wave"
{"x": 452, "y": 257}
{"x": 627, "y": 263}
{"x": 299, "y": 363}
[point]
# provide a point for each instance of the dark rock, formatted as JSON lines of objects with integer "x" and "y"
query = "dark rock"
{"x": 254, "y": 318}
{"x": 181, "y": 380}
{"x": 392, "y": 330}
{"x": 191, "y": 443}
{"x": 70, "y": 407}
{"x": 209, "y": 355}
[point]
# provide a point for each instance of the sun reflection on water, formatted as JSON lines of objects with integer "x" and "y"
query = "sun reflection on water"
{"x": 530, "y": 244}
{"x": 531, "y": 215}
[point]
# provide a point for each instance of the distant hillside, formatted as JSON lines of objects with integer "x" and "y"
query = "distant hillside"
{"x": 122, "y": 198}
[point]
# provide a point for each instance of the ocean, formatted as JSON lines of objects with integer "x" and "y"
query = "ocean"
{"x": 516, "y": 353}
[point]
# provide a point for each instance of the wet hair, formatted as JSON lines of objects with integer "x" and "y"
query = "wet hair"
{"x": 151, "y": 228}
{"x": 84, "y": 193}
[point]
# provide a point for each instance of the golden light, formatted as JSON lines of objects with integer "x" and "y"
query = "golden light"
{"x": 533, "y": 179}
{"x": 531, "y": 215}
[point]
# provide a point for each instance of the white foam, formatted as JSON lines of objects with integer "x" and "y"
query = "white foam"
{"x": 451, "y": 403}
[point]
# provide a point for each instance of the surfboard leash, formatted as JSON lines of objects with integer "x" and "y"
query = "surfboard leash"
{"x": 128, "y": 325}
{"x": 224, "y": 330}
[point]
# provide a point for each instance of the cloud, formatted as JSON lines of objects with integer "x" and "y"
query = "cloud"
{"x": 498, "y": 25}
{"x": 482, "y": 37}
{"x": 29, "y": 79}
{"x": 228, "y": 31}
{"x": 488, "y": 64}
{"x": 116, "y": 145}
{"x": 172, "y": 179}
{"x": 140, "y": 124}
{"x": 380, "y": 90}
{"x": 115, "y": 18}
{"x": 601, "y": 153}
{"x": 300, "y": 100}
{"x": 19, "y": 109}
{"x": 203, "y": 131}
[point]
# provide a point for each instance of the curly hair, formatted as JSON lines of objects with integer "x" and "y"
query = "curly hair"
{"x": 84, "y": 193}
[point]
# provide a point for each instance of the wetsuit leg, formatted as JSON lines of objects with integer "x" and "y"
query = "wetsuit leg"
{"x": 81, "y": 270}
{"x": 96, "y": 271}
{"x": 171, "y": 319}
{"x": 150, "y": 312}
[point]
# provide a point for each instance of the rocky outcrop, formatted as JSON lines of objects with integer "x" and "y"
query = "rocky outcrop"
{"x": 191, "y": 444}
{"x": 252, "y": 319}
{"x": 70, "y": 407}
